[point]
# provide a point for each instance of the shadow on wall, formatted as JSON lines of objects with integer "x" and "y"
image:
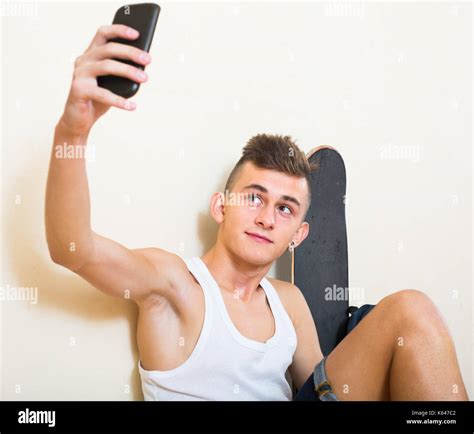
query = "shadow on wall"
{"x": 25, "y": 242}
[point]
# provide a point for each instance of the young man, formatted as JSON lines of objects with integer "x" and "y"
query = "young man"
{"x": 214, "y": 327}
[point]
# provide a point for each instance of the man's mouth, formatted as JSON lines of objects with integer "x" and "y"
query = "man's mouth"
{"x": 259, "y": 238}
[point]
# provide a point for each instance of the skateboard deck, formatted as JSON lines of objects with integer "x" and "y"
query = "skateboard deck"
{"x": 320, "y": 262}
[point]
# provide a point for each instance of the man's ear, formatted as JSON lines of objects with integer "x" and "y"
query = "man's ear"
{"x": 218, "y": 206}
{"x": 300, "y": 234}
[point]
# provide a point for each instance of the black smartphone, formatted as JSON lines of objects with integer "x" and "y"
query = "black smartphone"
{"x": 142, "y": 17}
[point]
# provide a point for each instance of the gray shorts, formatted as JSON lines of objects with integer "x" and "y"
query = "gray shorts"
{"x": 321, "y": 384}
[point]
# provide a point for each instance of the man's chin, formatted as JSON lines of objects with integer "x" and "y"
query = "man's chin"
{"x": 256, "y": 257}
{"x": 252, "y": 253}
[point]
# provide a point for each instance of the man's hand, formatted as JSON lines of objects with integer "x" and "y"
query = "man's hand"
{"x": 86, "y": 100}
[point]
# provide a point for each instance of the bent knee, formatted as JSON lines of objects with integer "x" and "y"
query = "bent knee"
{"x": 408, "y": 299}
{"x": 412, "y": 307}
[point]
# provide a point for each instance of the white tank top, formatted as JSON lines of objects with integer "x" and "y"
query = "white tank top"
{"x": 225, "y": 365}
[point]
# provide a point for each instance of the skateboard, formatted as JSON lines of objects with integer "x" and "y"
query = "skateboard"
{"x": 320, "y": 262}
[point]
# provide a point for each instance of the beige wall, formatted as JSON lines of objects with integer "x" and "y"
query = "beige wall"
{"x": 372, "y": 79}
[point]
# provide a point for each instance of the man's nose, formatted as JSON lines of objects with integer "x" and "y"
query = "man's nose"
{"x": 266, "y": 217}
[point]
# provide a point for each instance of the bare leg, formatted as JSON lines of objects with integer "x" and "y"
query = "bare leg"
{"x": 401, "y": 350}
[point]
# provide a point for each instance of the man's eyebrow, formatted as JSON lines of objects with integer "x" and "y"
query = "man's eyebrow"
{"x": 264, "y": 190}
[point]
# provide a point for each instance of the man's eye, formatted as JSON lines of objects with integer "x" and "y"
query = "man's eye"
{"x": 288, "y": 208}
{"x": 253, "y": 197}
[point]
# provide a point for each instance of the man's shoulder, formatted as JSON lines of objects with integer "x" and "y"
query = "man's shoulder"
{"x": 287, "y": 292}
{"x": 282, "y": 285}
{"x": 290, "y": 295}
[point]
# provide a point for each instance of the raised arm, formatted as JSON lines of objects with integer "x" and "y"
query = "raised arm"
{"x": 109, "y": 266}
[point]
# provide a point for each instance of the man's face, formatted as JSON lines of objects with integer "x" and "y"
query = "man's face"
{"x": 267, "y": 203}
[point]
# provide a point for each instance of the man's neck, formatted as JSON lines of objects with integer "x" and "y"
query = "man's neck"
{"x": 234, "y": 275}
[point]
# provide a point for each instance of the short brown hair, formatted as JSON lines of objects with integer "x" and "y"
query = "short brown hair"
{"x": 274, "y": 152}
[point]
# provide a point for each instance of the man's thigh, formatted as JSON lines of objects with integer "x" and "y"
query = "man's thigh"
{"x": 359, "y": 367}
